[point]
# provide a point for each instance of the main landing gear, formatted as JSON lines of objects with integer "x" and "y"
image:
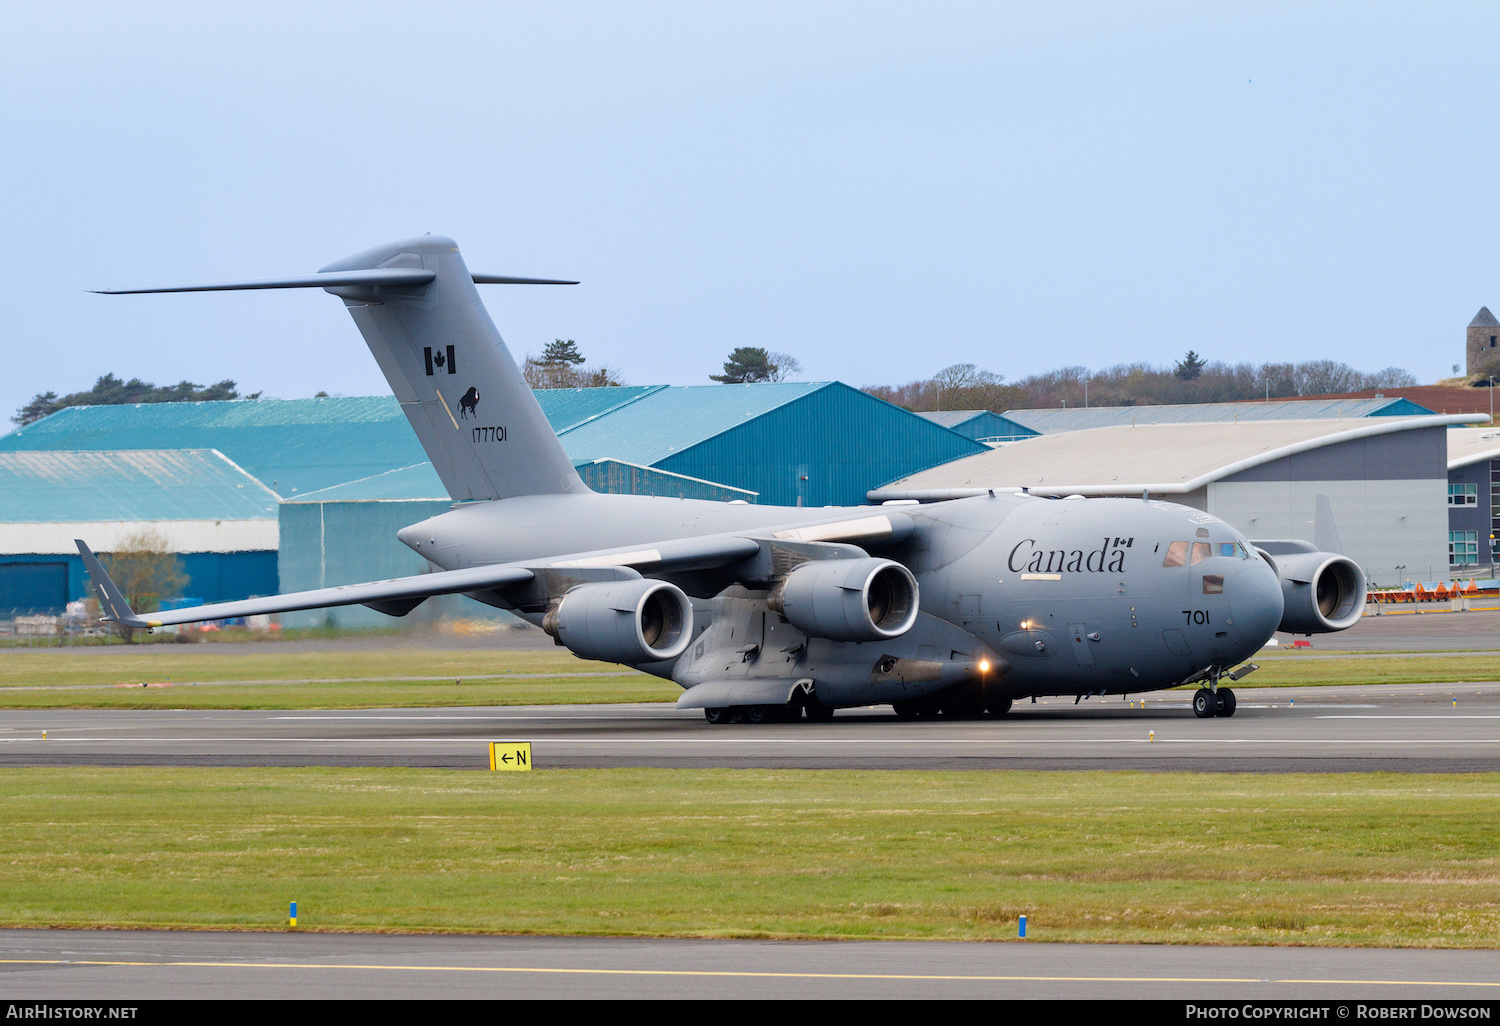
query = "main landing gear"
{"x": 954, "y": 706}
{"x": 815, "y": 711}
{"x": 1217, "y": 702}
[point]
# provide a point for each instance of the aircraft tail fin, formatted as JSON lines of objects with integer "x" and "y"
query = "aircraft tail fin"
{"x": 416, "y": 306}
{"x": 1325, "y": 530}
{"x": 453, "y": 375}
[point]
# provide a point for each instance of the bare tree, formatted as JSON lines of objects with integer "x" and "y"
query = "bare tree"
{"x": 784, "y": 366}
{"x": 147, "y": 572}
{"x": 561, "y": 365}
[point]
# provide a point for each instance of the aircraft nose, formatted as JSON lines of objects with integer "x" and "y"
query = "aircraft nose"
{"x": 1256, "y": 601}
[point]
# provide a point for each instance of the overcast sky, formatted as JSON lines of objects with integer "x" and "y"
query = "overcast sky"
{"x": 879, "y": 189}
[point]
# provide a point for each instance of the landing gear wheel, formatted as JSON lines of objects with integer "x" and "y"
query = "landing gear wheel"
{"x": 1205, "y": 704}
{"x": 1226, "y": 702}
{"x": 817, "y": 712}
{"x": 736, "y": 714}
{"x": 962, "y": 705}
{"x": 716, "y": 715}
{"x": 759, "y": 714}
{"x": 997, "y": 707}
{"x": 905, "y": 710}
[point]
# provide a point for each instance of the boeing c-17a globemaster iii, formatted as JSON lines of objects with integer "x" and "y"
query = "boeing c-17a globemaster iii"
{"x": 766, "y": 613}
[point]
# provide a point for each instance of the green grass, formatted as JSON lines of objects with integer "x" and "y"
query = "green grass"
{"x": 292, "y": 677}
{"x": 354, "y": 679}
{"x": 1346, "y": 859}
{"x": 1297, "y": 670}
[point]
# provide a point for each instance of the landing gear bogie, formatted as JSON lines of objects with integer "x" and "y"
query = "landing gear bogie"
{"x": 1209, "y": 702}
{"x": 997, "y": 707}
{"x": 789, "y": 713}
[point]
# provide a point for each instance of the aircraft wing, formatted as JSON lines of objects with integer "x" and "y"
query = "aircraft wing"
{"x": 394, "y": 593}
{"x": 400, "y": 595}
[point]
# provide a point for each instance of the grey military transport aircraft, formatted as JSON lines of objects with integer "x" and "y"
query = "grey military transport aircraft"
{"x": 767, "y": 613}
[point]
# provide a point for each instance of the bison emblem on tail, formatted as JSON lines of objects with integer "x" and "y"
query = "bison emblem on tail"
{"x": 468, "y": 403}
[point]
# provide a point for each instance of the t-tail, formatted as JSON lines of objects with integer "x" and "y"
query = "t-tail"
{"x": 416, "y": 305}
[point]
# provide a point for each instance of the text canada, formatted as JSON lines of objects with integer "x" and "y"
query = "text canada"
{"x": 1108, "y": 558}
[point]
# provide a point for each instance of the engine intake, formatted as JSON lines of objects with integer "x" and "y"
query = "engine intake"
{"x": 1323, "y": 591}
{"x": 623, "y": 621}
{"x": 849, "y": 599}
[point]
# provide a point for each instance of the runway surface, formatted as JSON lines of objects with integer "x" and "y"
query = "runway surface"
{"x": 1403, "y": 629}
{"x": 1400, "y": 727}
{"x": 83, "y": 965}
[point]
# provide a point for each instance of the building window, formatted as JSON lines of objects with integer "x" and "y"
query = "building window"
{"x": 1463, "y": 547}
{"x": 1463, "y": 495}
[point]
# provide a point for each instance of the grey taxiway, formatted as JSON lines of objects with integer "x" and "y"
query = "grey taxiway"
{"x": 121, "y": 966}
{"x": 1401, "y": 727}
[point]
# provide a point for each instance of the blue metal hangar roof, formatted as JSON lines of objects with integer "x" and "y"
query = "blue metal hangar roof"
{"x": 291, "y": 445}
{"x": 1055, "y": 421}
{"x": 132, "y": 485}
{"x": 819, "y": 443}
{"x": 795, "y": 443}
{"x": 980, "y": 425}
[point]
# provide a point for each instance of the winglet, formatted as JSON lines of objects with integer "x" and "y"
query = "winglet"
{"x": 116, "y": 609}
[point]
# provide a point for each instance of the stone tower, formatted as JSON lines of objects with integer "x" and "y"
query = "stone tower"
{"x": 1484, "y": 330}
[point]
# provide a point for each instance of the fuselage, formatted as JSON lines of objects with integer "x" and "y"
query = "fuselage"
{"x": 1076, "y": 596}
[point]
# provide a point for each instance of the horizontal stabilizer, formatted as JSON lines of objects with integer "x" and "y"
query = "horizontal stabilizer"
{"x": 321, "y": 280}
{"x": 500, "y": 279}
{"x": 333, "y": 279}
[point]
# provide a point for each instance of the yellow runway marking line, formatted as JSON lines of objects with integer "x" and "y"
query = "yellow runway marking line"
{"x": 736, "y": 973}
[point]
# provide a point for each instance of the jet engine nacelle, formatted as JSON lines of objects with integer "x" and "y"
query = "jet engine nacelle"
{"x": 848, "y": 599}
{"x": 623, "y": 621}
{"x": 1323, "y": 591}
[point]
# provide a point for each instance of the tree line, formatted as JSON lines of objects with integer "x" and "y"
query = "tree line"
{"x": 561, "y": 365}
{"x": 965, "y": 386}
{"x": 111, "y": 391}
{"x": 961, "y": 386}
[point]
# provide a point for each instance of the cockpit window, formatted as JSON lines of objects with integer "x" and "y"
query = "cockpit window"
{"x": 1213, "y": 584}
{"x": 1176, "y": 554}
{"x": 1201, "y": 551}
{"x": 1230, "y": 549}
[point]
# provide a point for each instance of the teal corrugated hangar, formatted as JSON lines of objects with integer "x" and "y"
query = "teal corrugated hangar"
{"x": 221, "y": 521}
{"x": 350, "y": 472}
{"x": 289, "y": 445}
{"x": 793, "y": 443}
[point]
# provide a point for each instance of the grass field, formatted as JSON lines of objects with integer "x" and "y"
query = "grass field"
{"x": 1346, "y": 859}
{"x": 289, "y": 677}
{"x": 292, "y": 677}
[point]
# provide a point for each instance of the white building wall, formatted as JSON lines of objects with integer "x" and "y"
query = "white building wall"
{"x": 181, "y": 535}
{"x": 1382, "y": 524}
